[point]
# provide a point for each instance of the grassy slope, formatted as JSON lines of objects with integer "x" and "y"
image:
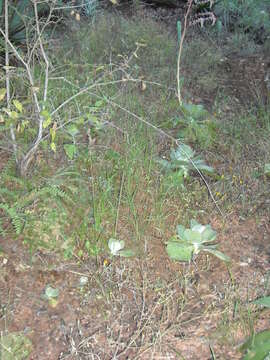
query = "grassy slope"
{"x": 115, "y": 182}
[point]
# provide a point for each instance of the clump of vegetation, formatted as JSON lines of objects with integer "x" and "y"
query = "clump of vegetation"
{"x": 94, "y": 174}
{"x": 248, "y": 16}
{"x": 184, "y": 161}
{"x": 190, "y": 242}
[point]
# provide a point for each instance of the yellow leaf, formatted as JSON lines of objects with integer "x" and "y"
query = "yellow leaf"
{"x": 53, "y": 133}
{"x": 53, "y": 302}
{"x": 14, "y": 115}
{"x": 9, "y": 67}
{"x": 2, "y": 93}
{"x": 143, "y": 86}
{"x": 18, "y": 105}
{"x": 114, "y": 2}
{"x": 53, "y": 147}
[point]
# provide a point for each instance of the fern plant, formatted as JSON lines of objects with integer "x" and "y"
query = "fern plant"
{"x": 23, "y": 200}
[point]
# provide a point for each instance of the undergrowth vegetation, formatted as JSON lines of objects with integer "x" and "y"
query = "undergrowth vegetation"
{"x": 120, "y": 159}
{"x": 104, "y": 139}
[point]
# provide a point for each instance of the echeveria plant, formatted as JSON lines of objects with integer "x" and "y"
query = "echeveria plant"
{"x": 187, "y": 243}
{"x": 117, "y": 248}
{"x": 183, "y": 159}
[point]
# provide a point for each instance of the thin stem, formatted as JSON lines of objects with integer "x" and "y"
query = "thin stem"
{"x": 168, "y": 136}
{"x": 118, "y": 206}
{"x": 190, "y": 2}
{"x": 12, "y": 133}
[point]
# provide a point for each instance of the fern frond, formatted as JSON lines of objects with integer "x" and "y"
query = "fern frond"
{"x": 2, "y": 230}
{"x": 6, "y": 193}
{"x": 16, "y": 220}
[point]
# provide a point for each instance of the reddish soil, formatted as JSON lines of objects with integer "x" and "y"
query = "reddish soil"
{"x": 138, "y": 309}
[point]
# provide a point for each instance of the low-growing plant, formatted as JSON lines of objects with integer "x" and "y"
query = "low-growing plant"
{"x": 196, "y": 125}
{"x": 183, "y": 161}
{"x": 257, "y": 347}
{"x": 250, "y": 16}
{"x": 188, "y": 243}
{"x": 117, "y": 248}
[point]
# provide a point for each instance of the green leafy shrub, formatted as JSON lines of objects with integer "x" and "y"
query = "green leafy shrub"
{"x": 40, "y": 209}
{"x": 190, "y": 242}
{"x": 182, "y": 162}
{"x": 252, "y": 16}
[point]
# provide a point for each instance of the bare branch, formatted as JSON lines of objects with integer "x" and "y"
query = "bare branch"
{"x": 12, "y": 132}
{"x": 190, "y": 2}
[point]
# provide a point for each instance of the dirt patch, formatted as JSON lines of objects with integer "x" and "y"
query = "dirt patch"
{"x": 139, "y": 308}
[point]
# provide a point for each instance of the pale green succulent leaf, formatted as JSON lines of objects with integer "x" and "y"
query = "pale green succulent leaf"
{"x": 257, "y": 347}
{"x": 126, "y": 253}
{"x": 181, "y": 232}
{"x": 179, "y": 251}
{"x": 182, "y": 153}
{"x": 267, "y": 169}
{"x": 217, "y": 253}
{"x": 193, "y": 236}
{"x": 115, "y": 245}
{"x": 193, "y": 223}
{"x": 51, "y": 293}
{"x": 264, "y": 301}
{"x": 208, "y": 234}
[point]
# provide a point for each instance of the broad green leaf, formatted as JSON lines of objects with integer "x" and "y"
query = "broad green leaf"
{"x": 193, "y": 237}
{"x": 51, "y": 293}
{"x": 199, "y": 227}
{"x": 70, "y": 150}
{"x": 267, "y": 169}
{"x": 179, "y": 251}
{"x": 72, "y": 130}
{"x": 182, "y": 153}
{"x": 181, "y": 231}
{"x": 3, "y": 92}
{"x": 217, "y": 253}
{"x": 257, "y": 347}
{"x": 18, "y": 105}
{"x": 99, "y": 103}
{"x": 264, "y": 301}
{"x": 202, "y": 166}
{"x": 208, "y": 234}
{"x": 166, "y": 164}
{"x": 126, "y": 253}
{"x": 197, "y": 112}
{"x": 193, "y": 223}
